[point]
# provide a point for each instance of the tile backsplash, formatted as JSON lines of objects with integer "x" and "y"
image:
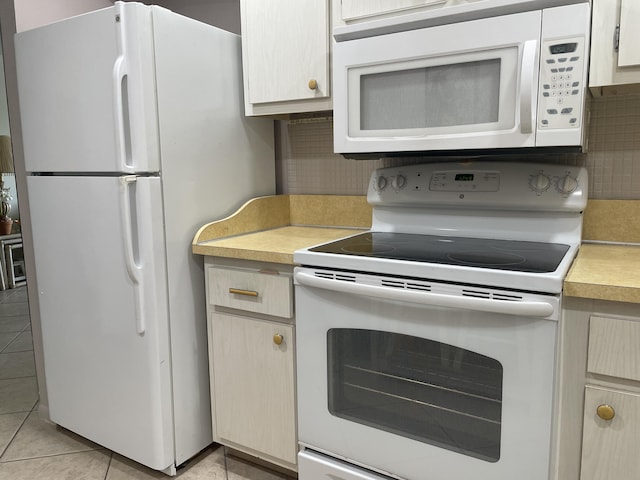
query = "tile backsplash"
{"x": 308, "y": 165}
{"x": 613, "y": 160}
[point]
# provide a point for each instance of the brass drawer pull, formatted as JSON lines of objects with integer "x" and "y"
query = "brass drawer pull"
{"x": 247, "y": 293}
{"x": 278, "y": 339}
{"x": 313, "y": 84}
{"x": 605, "y": 412}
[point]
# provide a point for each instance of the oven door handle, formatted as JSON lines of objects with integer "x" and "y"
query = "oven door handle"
{"x": 520, "y": 308}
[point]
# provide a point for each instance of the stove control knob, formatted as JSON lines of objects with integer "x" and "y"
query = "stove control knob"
{"x": 399, "y": 182}
{"x": 381, "y": 183}
{"x": 539, "y": 182}
{"x": 567, "y": 184}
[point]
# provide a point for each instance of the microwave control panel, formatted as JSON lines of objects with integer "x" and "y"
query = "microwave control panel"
{"x": 562, "y": 65}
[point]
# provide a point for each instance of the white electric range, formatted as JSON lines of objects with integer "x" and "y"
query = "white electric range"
{"x": 428, "y": 343}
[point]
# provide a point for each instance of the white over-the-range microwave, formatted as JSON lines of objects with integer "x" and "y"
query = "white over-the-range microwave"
{"x": 492, "y": 80}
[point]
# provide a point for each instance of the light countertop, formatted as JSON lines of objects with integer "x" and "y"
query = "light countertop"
{"x": 605, "y": 272}
{"x": 271, "y": 228}
{"x": 275, "y": 245}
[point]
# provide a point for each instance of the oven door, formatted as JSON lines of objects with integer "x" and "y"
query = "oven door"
{"x": 405, "y": 382}
{"x": 467, "y": 85}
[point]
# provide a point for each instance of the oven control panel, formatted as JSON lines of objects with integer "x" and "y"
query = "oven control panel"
{"x": 482, "y": 184}
{"x": 470, "y": 181}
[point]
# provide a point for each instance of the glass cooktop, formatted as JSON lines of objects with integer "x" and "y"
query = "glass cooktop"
{"x": 520, "y": 256}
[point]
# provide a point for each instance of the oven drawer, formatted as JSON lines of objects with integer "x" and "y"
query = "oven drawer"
{"x": 258, "y": 291}
{"x": 321, "y": 467}
{"x": 613, "y": 347}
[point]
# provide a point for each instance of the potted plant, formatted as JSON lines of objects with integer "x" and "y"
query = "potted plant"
{"x": 6, "y": 167}
{"x": 5, "y": 207}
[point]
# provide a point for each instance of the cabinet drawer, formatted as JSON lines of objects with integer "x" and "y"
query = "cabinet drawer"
{"x": 610, "y": 447}
{"x": 252, "y": 291}
{"x": 613, "y": 347}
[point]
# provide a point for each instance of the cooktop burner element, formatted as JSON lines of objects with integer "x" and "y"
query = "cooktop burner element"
{"x": 369, "y": 249}
{"x": 494, "y": 259}
{"x": 521, "y": 256}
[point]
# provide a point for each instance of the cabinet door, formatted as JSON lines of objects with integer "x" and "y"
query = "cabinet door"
{"x": 610, "y": 447}
{"x": 253, "y": 384}
{"x": 629, "y": 53}
{"x": 285, "y": 46}
{"x": 355, "y": 9}
{"x": 611, "y": 65}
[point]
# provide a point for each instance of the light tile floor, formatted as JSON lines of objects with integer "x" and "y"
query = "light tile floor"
{"x": 34, "y": 449}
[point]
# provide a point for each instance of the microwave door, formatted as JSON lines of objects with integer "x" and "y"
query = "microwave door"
{"x": 463, "y": 86}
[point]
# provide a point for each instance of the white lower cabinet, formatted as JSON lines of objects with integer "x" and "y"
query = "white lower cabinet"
{"x": 611, "y": 426}
{"x": 252, "y": 358}
{"x": 610, "y": 444}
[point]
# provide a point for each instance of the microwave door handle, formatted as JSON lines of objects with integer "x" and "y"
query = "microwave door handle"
{"x": 525, "y": 309}
{"x": 527, "y": 82}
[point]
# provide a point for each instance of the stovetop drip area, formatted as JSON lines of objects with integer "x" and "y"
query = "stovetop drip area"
{"x": 536, "y": 257}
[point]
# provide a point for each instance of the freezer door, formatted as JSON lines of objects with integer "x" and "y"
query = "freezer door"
{"x": 101, "y": 279}
{"x": 87, "y": 93}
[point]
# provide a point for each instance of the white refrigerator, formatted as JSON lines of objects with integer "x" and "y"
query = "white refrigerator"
{"x": 134, "y": 137}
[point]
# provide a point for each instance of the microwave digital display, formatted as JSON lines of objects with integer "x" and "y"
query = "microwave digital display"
{"x": 563, "y": 48}
{"x": 464, "y": 177}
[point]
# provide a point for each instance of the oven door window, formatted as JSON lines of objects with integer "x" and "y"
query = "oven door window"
{"x": 428, "y": 391}
{"x": 471, "y": 92}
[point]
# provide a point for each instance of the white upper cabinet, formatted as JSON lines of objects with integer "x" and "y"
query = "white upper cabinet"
{"x": 355, "y": 10}
{"x": 615, "y": 56}
{"x": 286, "y": 56}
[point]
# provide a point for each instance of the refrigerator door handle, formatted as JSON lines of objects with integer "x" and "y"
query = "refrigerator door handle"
{"x": 130, "y": 244}
{"x": 121, "y": 114}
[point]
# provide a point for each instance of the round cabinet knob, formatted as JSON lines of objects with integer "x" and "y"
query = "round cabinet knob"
{"x": 399, "y": 182}
{"x": 605, "y": 412}
{"x": 278, "y": 339}
{"x": 313, "y": 84}
{"x": 567, "y": 184}
{"x": 539, "y": 182}
{"x": 381, "y": 183}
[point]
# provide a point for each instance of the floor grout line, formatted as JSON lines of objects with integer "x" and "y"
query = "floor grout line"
{"x": 15, "y": 434}
{"x": 54, "y": 455}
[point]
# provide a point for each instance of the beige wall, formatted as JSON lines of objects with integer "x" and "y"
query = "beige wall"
{"x": 34, "y": 13}
{"x": 223, "y": 14}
